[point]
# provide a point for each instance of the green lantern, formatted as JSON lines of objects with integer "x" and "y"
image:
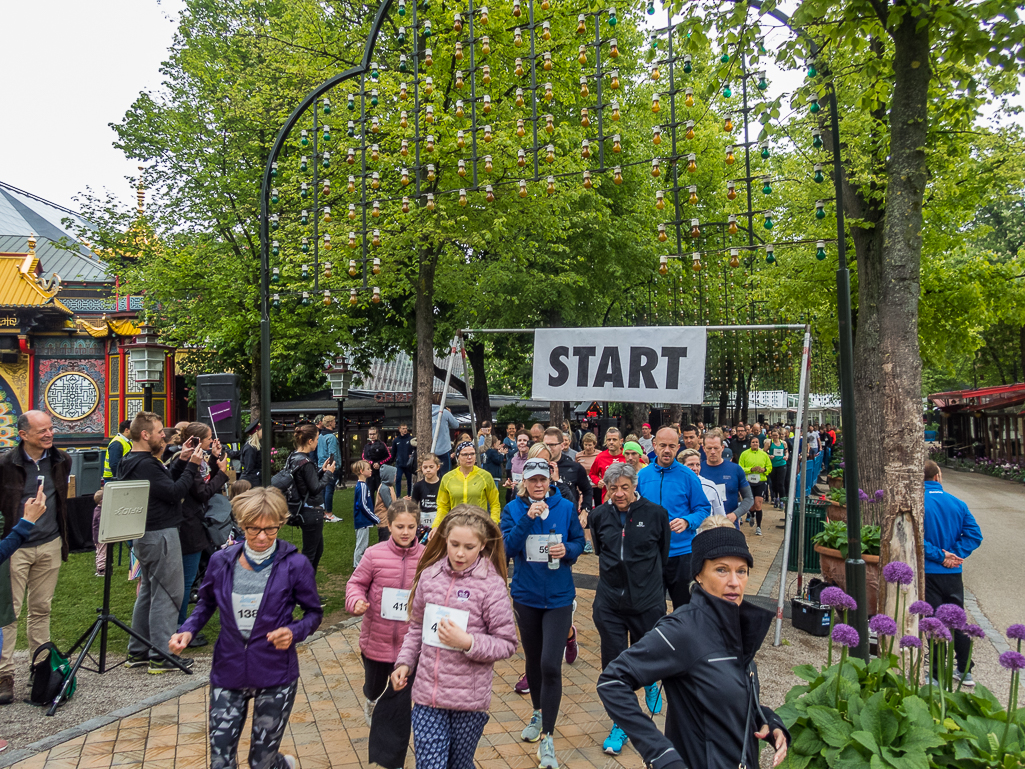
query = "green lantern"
{"x": 812, "y": 72}
{"x": 688, "y": 65}
{"x": 770, "y": 257}
{"x": 274, "y": 169}
{"x": 305, "y": 246}
{"x": 765, "y": 150}
{"x": 373, "y": 98}
{"x": 725, "y": 58}
{"x": 304, "y": 138}
{"x": 326, "y": 162}
{"x": 814, "y": 107}
{"x": 274, "y": 222}
{"x": 762, "y": 82}
{"x": 816, "y": 138}
{"x": 820, "y": 250}
{"x": 327, "y": 106}
{"x": 274, "y": 196}
{"x": 350, "y": 130}
{"x": 306, "y": 298}
{"x": 304, "y": 218}
{"x": 401, "y": 36}
{"x": 651, "y": 7}
{"x": 304, "y": 164}
{"x": 402, "y": 7}
{"x": 766, "y": 188}
{"x": 727, "y": 92}
{"x": 351, "y": 104}
{"x": 275, "y": 275}
{"x": 304, "y": 190}
{"x": 327, "y": 134}
{"x": 275, "y": 300}
{"x": 819, "y": 178}
{"x": 274, "y": 248}
{"x": 768, "y": 223}
{"x": 613, "y": 21}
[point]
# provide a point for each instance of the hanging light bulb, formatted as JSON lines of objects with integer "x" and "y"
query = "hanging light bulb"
{"x": 766, "y": 186}
{"x": 695, "y": 231}
{"x": 727, "y": 92}
{"x": 656, "y": 171}
{"x": 375, "y": 180}
{"x": 585, "y": 120}
{"x": 693, "y": 196}
{"x": 656, "y": 137}
{"x": 428, "y": 85}
{"x": 376, "y": 211}
{"x": 690, "y": 130}
{"x": 462, "y": 197}
{"x": 485, "y": 74}
{"x": 813, "y": 106}
{"x": 550, "y": 153}
{"x": 273, "y": 221}
{"x": 585, "y": 149}
{"x": 304, "y": 162}
{"x": 549, "y": 94}
{"x": 614, "y": 48}
{"x": 376, "y": 296}
{"x": 546, "y": 64}
{"x": 327, "y": 214}
{"x": 692, "y": 162}
{"x": 460, "y": 139}
{"x": 487, "y": 133}
{"x": 812, "y": 72}
{"x": 352, "y": 244}
{"x": 550, "y": 188}
{"x": 663, "y": 265}
{"x": 404, "y": 119}
{"x": 304, "y": 217}
{"x": 327, "y": 298}
{"x": 617, "y": 175}
{"x": 352, "y": 211}
{"x": 519, "y": 97}
{"x": 376, "y": 241}
{"x": 401, "y": 35}
{"x": 820, "y": 209}
{"x": 695, "y": 261}
{"x": 584, "y": 90}
{"x": 818, "y": 177}
{"x": 523, "y": 188}
{"x": 615, "y": 110}
{"x": 730, "y": 157}
{"x": 614, "y": 80}
{"x": 655, "y": 73}
{"x": 405, "y": 204}
{"x": 521, "y": 158}
{"x": 275, "y": 275}
{"x": 304, "y": 190}
{"x": 375, "y": 152}
{"x": 731, "y": 226}
{"x": 613, "y": 20}
{"x": 275, "y": 249}
{"x": 582, "y": 55}
{"x": 517, "y": 37}
{"x": 402, "y": 7}
{"x": 305, "y": 247}
{"x": 461, "y": 167}
{"x": 305, "y": 271}
{"x": 352, "y": 298}
{"x": 350, "y": 156}
{"x": 429, "y": 114}
{"x": 581, "y": 24}
{"x": 460, "y": 112}
{"x": 489, "y": 194}
{"x": 617, "y": 145}
{"x": 429, "y": 143}
{"x": 725, "y": 58}
{"x": 820, "y": 250}
{"x": 770, "y": 254}
{"x": 457, "y": 22}
{"x": 487, "y": 164}
{"x": 306, "y": 298}
{"x": 727, "y": 126}
{"x": 275, "y": 300}
{"x": 660, "y": 200}
{"x": 274, "y": 169}
{"x": 546, "y": 30}
{"x": 688, "y": 100}
{"x": 517, "y": 10}
{"x": 487, "y": 103}
{"x": 734, "y": 257}
{"x": 404, "y": 177}
{"x": 428, "y": 57}
{"x": 305, "y": 135}
{"x": 816, "y": 138}
{"x": 459, "y": 78}
{"x": 762, "y": 82}
{"x": 662, "y": 236}
{"x": 764, "y": 146}
{"x": 550, "y": 124}
{"x": 484, "y": 15}
{"x": 768, "y": 223}
{"x": 430, "y": 201}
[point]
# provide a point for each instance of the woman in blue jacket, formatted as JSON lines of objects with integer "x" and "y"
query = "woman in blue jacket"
{"x": 542, "y": 534}
{"x": 256, "y": 585}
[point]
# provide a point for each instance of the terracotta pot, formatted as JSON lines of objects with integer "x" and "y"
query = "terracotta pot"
{"x": 836, "y": 512}
{"x": 835, "y": 483}
{"x": 833, "y": 570}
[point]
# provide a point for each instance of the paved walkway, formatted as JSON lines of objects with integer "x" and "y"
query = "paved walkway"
{"x": 327, "y": 728}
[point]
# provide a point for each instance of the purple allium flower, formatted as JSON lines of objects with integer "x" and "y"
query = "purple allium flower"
{"x": 898, "y": 572}
{"x": 974, "y": 631}
{"x": 921, "y": 608}
{"x": 952, "y": 616}
{"x": 879, "y": 495}
{"x": 934, "y": 628}
{"x": 1011, "y": 660}
{"x": 838, "y": 599}
{"x": 883, "y": 624}
{"x": 843, "y": 465}
{"x": 910, "y": 642}
{"x": 1016, "y": 632}
{"x": 863, "y": 496}
{"x": 845, "y": 635}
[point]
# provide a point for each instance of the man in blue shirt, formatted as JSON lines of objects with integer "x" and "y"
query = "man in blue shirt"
{"x": 951, "y": 535}
{"x": 328, "y": 446}
{"x": 728, "y": 478}
{"x": 676, "y": 488}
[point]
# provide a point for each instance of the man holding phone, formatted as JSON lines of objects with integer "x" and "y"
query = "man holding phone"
{"x": 34, "y": 568}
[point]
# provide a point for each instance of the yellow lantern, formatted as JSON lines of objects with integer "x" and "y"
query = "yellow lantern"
{"x": 688, "y": 100}
{"x": 327, "y": 298}
{"x": 617, "y": 175}
{"x": 730, "y": 157}
{"x": 550, "y": 189}
{"x": 696, "y": 261}
{"x": 485, "y": 45}
{"x": 403, "y": 93}
{"x": 546, "y": 30}
{"x": 585, "y": 121}
{"x": 485, "y": 74}
{"x": 582, "y": 55}
{"x": 352, "y": 262}
{"x": 460, "y": 139}
{"x": 734, "y": 257}
{"x": 732, "y": 226}
{"x": 352, "y": 211}
{"x": 549, "y": 94}
{"x": 584, "y": 90}
{"x": 459, "y": 78}
{"x": 517, "y": 37}
{"x": 581, "y": 24}
{"x": 405, "y": 204}
{"x": 429, "y": 114}
{"x": 352, "y": 244}
{"x": 375, "y": 152}
{"x": 549, "y": 124}
{"x": 662, "y": 236}
{"x": 487, "y": 133}
{"x": 376, "y": 241}
{"x": 375, "y": 180}
{"x": 462, "y": 196}
{"x": 458, "y": 23}
{"x": 660, "y": 200}
{"x": 731, "y": 191}
{"x": 690, "y": 130}
{"x": 617, "y": 145}
{"x": 547, "y": 63}
{"x": 376, "y": 211}
{"x": 692, "y": 162}
{"x": 521, "y": 158}
{"x": 695, "y": 231}
{"x": 614, "y": 75}
{"x": 428, "y": 57}
{"x": 693, "y": 197}
{"x": 587, "y": 180}
{"x": 615, "y": 111}
{"x": 431, "y": 175}
{"x": 429, "y": 143}
{"x": 487, "y": 104}
{"x": 656, "y": 171}
{"x": 655, "y": 106}
{"x": 428, "y": 85}
{"x": 613, "y": 48}
{"x": 520, "y": 130}
{"x": 519, "y": 72}
{"x": 484, "y": 15}
{"x": 655, "y": 74}
{"x": 352, "y": 298}
{"x": 550, "y": 153}
{"x": 352, "y": 184}
{"x": 461, "y": 167}
{"x": 487, "y": 164}
{"x": 327, "y": 214}
{"x": 523, "y": 188}
{"x": 519, "y": 97}
{"x": 430, "y": 201}
{"x": 460, "y": 112}
{"x": 663, "y": 265}
{"x": 656, "y": 135}
{"x": 728, "y": 125}
{"x": 404, "y": 119}
{"x": 585, "y": 149}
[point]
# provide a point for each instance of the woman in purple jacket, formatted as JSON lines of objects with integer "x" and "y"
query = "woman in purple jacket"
{"x": 256, "y": 585}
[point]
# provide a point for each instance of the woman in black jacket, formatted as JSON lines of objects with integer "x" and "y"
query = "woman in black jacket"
{"x": 310, "y": 482}
{"x": 704, "y": 654}
{"x": 210, "y": 479}
{"x": 251, "y": 456}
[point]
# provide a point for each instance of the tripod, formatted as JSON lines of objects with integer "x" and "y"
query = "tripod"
{"x": 99, "y": 627}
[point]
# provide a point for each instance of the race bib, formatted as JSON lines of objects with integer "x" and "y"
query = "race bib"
{"x": 754, "y": 478}
{"x": 537, "y": 548}
{"x": 517, "y": 477}
{"x": 245, "y": 607}
{"x": 395, "y": 604}
{"x": 777, "y": 452}
{"x": 426, "y": 519}
{"x": 433, "y": 614}
{"x": 721, "y": 488}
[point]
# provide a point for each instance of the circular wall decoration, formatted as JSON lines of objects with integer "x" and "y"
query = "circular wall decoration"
{"x": 72, "y": 396}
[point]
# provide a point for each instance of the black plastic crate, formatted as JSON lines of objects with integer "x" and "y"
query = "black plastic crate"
{"x": 811, "y": 617}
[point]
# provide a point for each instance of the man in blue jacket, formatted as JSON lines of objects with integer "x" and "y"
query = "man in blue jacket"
{"x": 678, "y": 490}
{"x": 327, "y": 447}
{"x": 951, "y": 535}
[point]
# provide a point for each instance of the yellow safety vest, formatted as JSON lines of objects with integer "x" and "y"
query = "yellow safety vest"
{"x": 126, "y": 445}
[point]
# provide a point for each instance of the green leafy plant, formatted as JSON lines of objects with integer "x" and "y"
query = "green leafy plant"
{"x": 834, "y": 536}
{"x": 838, "y": 495}
{"x": 836, "y": 472}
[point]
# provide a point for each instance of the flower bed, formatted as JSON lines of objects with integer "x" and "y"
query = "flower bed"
{"x": 997, "y": 468}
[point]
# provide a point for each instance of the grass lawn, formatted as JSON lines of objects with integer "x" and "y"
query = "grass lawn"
{"x": 79, "y": 593}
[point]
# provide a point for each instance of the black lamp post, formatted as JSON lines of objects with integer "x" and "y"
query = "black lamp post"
{"x": 339, "y": 376}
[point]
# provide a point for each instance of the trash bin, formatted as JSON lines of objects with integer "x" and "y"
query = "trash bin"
{"x": 76, "y": 467}
{"x": 90, "y": 478}
{"x": 814, "y": 521}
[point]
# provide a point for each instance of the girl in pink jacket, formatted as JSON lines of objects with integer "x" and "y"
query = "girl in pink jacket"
{"x": 379, "y": 590}
{"x": 461, "y": 624}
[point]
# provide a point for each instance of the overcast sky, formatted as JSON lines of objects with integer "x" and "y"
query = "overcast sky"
{"x": 70, "y": 68}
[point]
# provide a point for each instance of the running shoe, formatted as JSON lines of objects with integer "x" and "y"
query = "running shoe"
{"x": 588, "y": 548}
{"x": 159, "y": 666}
{"x": 532, "y": 731}
{"x": 136, "y": 661}
{"x": 571, "y": 646}
{"x": 546, "y": 754}
{"x": 290, "y": 760}
{"x": 758, "y": 531}
{"x": 522, "y": 687}
{"x": 653, "y": 699}
{"x": 368, "y": 710}
{"x": 965, "y": 678}
{"x": 750, "y": 520}
{"x": 614, "y": 743}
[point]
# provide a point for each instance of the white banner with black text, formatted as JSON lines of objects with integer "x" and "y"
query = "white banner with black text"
{"x": 647, "y": 364}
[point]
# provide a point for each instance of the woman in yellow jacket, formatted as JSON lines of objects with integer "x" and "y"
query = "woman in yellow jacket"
{"x": 467, "y": 484}
{"x": 757, "y": 465}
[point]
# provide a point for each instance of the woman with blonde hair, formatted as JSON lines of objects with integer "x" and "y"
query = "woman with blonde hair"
{"x": 255, "y": 585}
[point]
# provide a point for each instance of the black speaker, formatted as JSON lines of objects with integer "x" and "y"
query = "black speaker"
{"x": 212, "y": 391}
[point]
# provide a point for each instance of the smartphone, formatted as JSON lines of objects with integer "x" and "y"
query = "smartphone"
{"x": 192, "y": 442}
{"x": 40, "y": 482}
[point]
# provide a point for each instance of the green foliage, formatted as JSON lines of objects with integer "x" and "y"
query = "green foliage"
{"x": 838, "y": 495}
{"x": 512, "y": 412}
{"x": 834, "y": 536}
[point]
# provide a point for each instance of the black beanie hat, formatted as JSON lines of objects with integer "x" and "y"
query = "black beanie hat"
{"x": 715, "y": 543}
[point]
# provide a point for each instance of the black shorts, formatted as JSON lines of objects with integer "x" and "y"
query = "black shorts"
{"x": 759, "y": 489}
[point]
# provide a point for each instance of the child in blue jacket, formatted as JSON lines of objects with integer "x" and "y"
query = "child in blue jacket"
{"x": 363, "y": 518}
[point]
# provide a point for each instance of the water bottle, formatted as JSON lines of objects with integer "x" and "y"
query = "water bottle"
{"x": 553, "y": 539}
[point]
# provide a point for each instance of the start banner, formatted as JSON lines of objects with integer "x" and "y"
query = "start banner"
{"x": 664, "y": 364}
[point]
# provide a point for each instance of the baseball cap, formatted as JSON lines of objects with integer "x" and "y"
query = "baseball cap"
{"x": 533, "y": 468}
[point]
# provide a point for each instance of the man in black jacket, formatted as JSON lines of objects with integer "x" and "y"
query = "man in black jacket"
{"x": 376, "y": 453}
{"x": 402, "y": 452}
{"x": 631, "y": 539}
{"x": 161, "y": 581}
{"x": 571, "y": 473}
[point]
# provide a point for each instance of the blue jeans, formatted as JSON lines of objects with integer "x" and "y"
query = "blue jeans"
{"x": 329, "y": 495}
{"x": 190, "y": 565}
{"x": 407, "y": 473}
{"x": 446, "y": 461}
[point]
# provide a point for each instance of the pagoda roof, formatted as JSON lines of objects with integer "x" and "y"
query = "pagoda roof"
{"x": 20, "y": 288}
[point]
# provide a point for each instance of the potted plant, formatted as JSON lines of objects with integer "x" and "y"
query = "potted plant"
{"x": 835, "y": 477}
{"x": 831, "y": 545}
{"x": 837, "y": 510}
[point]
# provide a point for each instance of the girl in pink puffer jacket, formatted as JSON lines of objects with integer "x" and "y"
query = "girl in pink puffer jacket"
{"x": 461, "y": 624}
{"x": 379, "y": 590}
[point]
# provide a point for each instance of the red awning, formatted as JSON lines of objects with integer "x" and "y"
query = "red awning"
{"x": 981, "y": 399}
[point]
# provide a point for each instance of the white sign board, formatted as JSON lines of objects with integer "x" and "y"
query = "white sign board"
{"x": 123, "y": 511}
{"x": 647, "y": 364}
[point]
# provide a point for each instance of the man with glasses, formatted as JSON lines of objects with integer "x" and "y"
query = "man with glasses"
{"x": 613, "y": 453}
{"x": 35, "y": 566}
{"x": 571, "y": 473}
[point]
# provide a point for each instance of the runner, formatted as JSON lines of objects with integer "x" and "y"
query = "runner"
{"x": 727, "y": 477}
{"x": 780, "y": 454}
{"x": 425, "y": 493}
{"x": 467, "y": 484}
{"x": 544, "y": 537}
{"x": 756, "y": 465}
{"x": 631, "y": 539}
{"x": 692, "y": 459}
{"x": 378, "y": 590}
{"x": 672, "y": 486}
{"x": 613, "y": 453}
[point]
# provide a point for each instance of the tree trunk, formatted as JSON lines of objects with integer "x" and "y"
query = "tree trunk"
{"x": 428, "y": 264}
{"x": 901, "y": 374}
{"x": 676, "y": 414}
{"x": 479, "y": 389}
{"x": 638, "y": 415}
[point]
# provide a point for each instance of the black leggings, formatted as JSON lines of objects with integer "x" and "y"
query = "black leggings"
{"x": 543, "y": 633}
{"x": 313, "y": 538}
{"x": 778, "y": 481}
{"x": 391, "y": 724}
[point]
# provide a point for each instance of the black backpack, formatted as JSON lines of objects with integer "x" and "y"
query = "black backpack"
{"x": 218, "y": 521}
{"x": 284, "y": 480}
{"x": 48, "y": 671}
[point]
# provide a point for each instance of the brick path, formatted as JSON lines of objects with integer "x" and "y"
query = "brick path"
{"x": 327, "y": 728}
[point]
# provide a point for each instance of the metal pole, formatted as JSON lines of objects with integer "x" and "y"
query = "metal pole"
{"x": 804, "y": 494}
{"x": 794, "y": 458}
{"x": 855, "y": 566}
{"x": 444, "y": 394}
{"x": 469, "y": 394}
{"x": 340, "y": 434}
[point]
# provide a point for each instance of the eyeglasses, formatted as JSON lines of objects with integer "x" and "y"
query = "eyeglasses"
{"x": 255, "y": 531}
{"x": 535, "y": 464}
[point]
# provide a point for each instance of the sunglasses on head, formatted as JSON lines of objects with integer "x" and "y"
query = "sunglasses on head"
{"x": 535, "y": 464}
